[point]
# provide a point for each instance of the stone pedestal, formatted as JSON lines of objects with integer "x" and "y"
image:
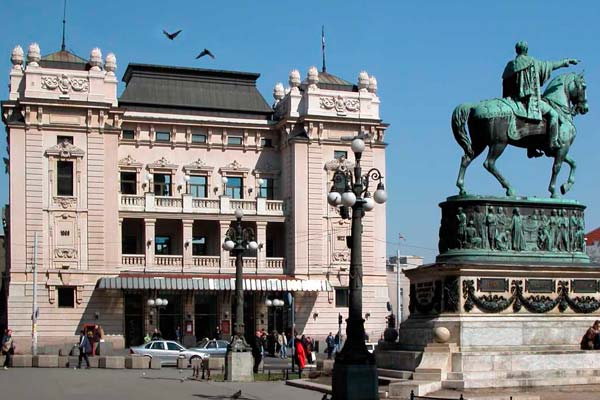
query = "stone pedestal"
{"x": 136, "y": 362}
{"x": 112, "y": 362}
{"x": 238, "y": 366}
{"x": 355, "y": 382}
{"x": 44, "y": 361}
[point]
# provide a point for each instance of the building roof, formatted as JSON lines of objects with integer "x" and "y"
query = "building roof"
{"x": 332, "y": 82}
{"x": 592, "y": 237}
{"x": 183, "y": 89}
{"x": 64, "y": 59}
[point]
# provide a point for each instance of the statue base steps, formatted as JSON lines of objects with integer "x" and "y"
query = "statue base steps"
{"x": 502, "y": 325}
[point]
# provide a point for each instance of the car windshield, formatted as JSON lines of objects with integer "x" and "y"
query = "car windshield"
{"x": 202, "y": 343}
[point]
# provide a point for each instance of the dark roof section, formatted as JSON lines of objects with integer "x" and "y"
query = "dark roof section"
{"x": 64, "y": 59}
{"x": 189, "y": 90}
{"x": 332, "y": 82}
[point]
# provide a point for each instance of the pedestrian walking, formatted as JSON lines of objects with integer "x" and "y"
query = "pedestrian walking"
{"x": 330, "y": 341}
{"x": 337, "y": 341}
{"x": 85, "y": 348}
{"x": 257, "y": 350}
{"x": 8, "y": 348}
{"x": 178, "y": 334}
{"x": 300, "y": 355}
{"x": 147, "y": 338}
{"x": 156, "y": 335}
{"x": 217, "y": 333}
{"x": 281, "y": 341}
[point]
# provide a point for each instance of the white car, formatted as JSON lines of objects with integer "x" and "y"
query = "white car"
{"x": 167, "y": 351}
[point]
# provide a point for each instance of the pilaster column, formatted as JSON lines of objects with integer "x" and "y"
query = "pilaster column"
{"x": 187, "y": 243}
{"x": 120, "y": 239}
{"x": 261, "y": 239}
{"x": 223, "y": 227}
{"x": 149, "y": 228}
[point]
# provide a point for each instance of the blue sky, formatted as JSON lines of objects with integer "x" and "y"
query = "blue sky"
{"x": 427, "y": 56}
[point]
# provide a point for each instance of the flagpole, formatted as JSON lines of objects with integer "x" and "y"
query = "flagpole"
{"x": 324, "y": 69}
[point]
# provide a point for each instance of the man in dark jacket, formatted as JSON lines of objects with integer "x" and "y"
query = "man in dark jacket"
{"x": 256, "y": 350}
{"x": 8, "y": 349}
{"x": 330, "y": 345}
{"x": 85, "y": 348}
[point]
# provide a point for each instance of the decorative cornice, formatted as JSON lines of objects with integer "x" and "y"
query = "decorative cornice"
{"x": 235, "y": 166}
{"x": 129, "y": 161}
{"x": 198, "y": 165}
{"x": 65, "y": 150}
{"x": 65, "y": 83}
{"x": 340, "y": 104}
{"x": 162, "y": 163}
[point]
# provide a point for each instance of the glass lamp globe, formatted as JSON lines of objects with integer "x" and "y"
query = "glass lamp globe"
{"x": 158, "y": 302}
{"x": 369, "y": 204}
{"x": 239, "y": 213}
{"x": 165, "y": 302}
{"x": 348, "y": 199}
{"x": 253, "y": 245}
{"x": 186, "y": 178}
{"x": 260, "y": 181}
{"x": 358, "y": 145}
{"x": 380, "y": 194}
{"x": 279, "y": 303}
{"x": 151, "y": 302}
{"x": 334, "y": 199}
{"x": 148, "y": 176}
{"x": 224, "y": 180}
{"x": 268, "y": 303}
{"x": 228, "y": 245}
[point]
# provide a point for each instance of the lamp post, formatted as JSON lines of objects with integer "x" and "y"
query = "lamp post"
{"x": 355, "y": 372}
{"x": 157, "y": 303}
{"x": 274, "y": 303}
{"x": 237, "y": 239}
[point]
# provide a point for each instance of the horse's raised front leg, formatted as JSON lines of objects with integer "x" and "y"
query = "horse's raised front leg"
{"x": 569, "y": 184}
{"x": 558, "y": 160}
{"x": 460, "y": 182}
{"x": 496, "y": 151}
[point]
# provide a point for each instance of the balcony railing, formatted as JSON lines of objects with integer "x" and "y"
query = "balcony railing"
{"x": 133, "y": 259}
{"x": 148, "y": 202}
{"x": 206, "y": 261}
{"x": 271, "y": 265}
{"x": 170, "y": 261}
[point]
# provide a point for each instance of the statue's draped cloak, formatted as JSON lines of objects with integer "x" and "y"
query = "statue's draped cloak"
{"x": 522, "y": 81}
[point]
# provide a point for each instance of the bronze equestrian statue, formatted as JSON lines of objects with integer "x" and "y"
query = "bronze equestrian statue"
{"x": 525, "y": 117}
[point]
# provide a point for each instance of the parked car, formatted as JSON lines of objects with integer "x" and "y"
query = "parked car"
{"x": 216, "y": 348}
{"x": 167, "y": 351}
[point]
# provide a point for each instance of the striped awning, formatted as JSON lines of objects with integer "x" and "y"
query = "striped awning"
{"x": 250, "y": 284}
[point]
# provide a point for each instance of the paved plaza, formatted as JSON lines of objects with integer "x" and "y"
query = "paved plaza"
{"x": 101, "y": 384}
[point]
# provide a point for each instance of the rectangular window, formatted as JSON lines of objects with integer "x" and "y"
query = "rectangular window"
{"x": 199, "y": 246}
{"x": 162, "y": 245}
{"x": 342, "y": 297}
{"x": 198, "y": 138}
{"x": 340, "y": 153}
{"x": 235, "y": 187}
{"x": 128, "y": 134}
{"x": 234, "y": 140}
{"x": 66, "y": 297}
{"x": 265, "y": 190}
{"x": 266, "y": 142}
{"x": 128, "y": 183}
{"x": 162, "y": 184}
{"x": 163, "y": 136}
{"x": 64, "y": 178}
{"x": 198, "y": 186}
{"x": 61, "y": 139}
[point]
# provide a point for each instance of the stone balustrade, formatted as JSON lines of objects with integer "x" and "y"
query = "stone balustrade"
{"x": 148, "y": 202}
{"x": 207, "y": 261}
{"x": 275, "y": 265}
{"x": 133, "y": 259}
{"x": 170, "y": 260}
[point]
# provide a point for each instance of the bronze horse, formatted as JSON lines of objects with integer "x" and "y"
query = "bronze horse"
{"x": 489, "y": 124}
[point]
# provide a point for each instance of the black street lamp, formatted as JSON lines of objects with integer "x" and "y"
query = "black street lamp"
{"x": 237, "y": 240}
{"x": 355, "y": 372}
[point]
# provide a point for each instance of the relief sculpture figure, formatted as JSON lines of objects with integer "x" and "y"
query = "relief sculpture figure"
{"x": 461, "y": 232}
{"x": 479, "y": 223}
{"x": 492, "y": 230}
{"x": 518, "y": 235}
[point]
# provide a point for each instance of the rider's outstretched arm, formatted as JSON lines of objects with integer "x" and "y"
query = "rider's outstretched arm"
{"x": 564, "y": 63}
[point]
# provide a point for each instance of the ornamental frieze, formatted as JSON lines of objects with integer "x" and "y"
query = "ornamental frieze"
{"x": 339, "y": 103}
{"x": 65, "y": 83}
{"x": 65, "y": 253}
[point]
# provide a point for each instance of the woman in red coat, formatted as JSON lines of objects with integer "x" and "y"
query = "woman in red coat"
{"x": 300, "y": 354}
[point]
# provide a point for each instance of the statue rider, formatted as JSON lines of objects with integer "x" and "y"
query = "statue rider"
{"x": 522, "y": 80}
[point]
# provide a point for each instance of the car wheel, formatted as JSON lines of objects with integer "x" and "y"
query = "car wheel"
{"x": 149, "y": 358}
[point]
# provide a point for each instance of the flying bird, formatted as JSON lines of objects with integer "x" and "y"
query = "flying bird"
{"x": 237, "y": 395}
{"x": 205, "y": 52}
{"x": 172, "y": 35}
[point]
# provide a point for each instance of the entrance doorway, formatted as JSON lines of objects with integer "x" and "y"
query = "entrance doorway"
{"x": 171, "y": 316}
{"x": 205, "y": 315}
{"x": 134, "y": 319}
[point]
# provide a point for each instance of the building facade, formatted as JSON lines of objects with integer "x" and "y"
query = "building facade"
{"x": 129, "y": 199}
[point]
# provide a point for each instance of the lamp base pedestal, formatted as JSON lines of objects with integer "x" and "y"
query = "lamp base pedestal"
{"x": 355, "y": 382}
{"x": 238, "y": 366}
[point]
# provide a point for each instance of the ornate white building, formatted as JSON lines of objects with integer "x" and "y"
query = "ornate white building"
{"x": 130, "y": 198}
